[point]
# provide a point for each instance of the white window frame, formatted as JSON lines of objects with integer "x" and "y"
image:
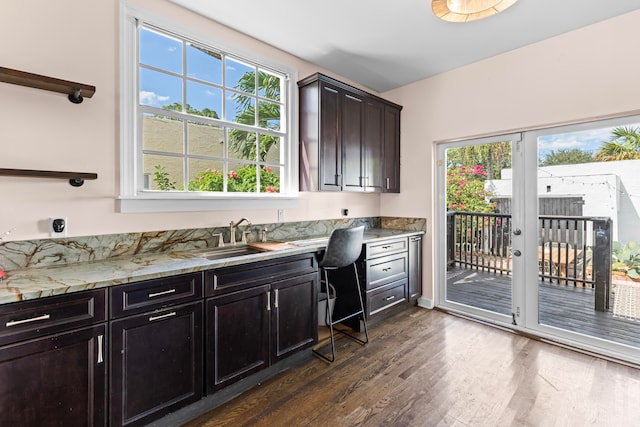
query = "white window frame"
{"x": 132, "y": 198}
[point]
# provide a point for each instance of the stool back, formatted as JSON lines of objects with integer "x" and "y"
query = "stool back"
{"x": 343, "y": 248}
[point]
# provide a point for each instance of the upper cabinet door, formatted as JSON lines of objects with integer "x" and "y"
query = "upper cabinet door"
{"x": 330, "y": 138}
{"x": 373, "y": 147}
{"x": 352, "y": 129}
{"x": 391, "y": 149}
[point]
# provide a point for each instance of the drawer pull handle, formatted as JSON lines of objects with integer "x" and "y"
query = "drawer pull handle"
{"x": 100, "y": 358}
{"x": 389, "y": 298}
{"x": 386, "y": 269}
{"x": 33, "y": 319}
{"x": 157, "y": 294}
{"x": 386, "y": 246}
{"x": 162, "y": 316}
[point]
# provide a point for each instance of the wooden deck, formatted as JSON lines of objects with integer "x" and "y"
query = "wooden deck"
{"x": 567, "y": 307}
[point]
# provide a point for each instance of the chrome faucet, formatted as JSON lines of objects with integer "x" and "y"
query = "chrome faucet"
{"x": 232, "y": 230}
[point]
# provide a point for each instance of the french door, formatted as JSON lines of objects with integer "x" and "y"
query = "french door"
{"x": 531, "y": 225}
{"x": 480, "y": 263}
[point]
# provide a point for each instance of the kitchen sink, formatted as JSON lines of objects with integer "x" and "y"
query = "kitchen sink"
{"x": 222, "y": 253}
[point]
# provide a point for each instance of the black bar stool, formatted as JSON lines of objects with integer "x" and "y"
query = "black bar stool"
{"x": 343, "y": 248}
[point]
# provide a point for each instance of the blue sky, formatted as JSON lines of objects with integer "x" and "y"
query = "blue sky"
{"x": 160, "y": 89}
{"x": 589, "y": 140}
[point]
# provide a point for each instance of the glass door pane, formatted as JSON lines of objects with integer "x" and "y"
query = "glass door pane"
{"x": 588, "y": 229}
{"x": 479, "y": 262}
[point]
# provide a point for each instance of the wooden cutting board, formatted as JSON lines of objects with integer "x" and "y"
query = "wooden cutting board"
{"x": 272, "y": 246}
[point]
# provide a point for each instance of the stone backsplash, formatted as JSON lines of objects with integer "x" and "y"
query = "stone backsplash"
{"x": 22, "y": 254}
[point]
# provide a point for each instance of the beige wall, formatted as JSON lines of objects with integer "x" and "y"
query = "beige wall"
{"x": 587, "y": 73}
{"x": 78, "y": 40}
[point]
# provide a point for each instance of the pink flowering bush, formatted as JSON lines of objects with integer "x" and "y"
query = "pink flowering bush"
{"x": 465, "y": 190}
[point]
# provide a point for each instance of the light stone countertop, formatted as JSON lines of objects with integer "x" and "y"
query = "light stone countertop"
{"x": 33, "y": 283}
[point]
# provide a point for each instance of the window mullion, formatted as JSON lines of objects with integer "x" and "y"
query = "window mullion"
{"x": 185, "y": 122}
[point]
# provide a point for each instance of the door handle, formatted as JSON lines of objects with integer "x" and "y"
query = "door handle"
{"x": 517, "y": 232}
{"x": 517, "y": 253}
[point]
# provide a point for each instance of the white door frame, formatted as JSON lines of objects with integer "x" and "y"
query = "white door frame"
{"x": 440, "y": 233}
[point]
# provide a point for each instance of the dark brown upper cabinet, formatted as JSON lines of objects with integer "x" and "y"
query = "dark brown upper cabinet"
{"x": 349, "y": 139}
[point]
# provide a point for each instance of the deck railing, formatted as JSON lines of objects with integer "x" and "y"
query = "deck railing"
{"x": 572, "y": 250}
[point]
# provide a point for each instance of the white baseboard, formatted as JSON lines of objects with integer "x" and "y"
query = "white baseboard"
{"x": 425, "y": 303}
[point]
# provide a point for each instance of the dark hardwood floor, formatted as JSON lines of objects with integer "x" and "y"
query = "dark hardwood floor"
{"x": 428, "y": 368}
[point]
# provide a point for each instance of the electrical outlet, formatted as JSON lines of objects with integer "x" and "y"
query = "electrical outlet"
{"x": 280, "y": 215}
{"x": 58, "y": 226}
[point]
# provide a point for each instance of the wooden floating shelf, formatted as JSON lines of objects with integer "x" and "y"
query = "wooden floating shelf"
{"x": 76, "y": 91}
{"x": 76, "y": 179}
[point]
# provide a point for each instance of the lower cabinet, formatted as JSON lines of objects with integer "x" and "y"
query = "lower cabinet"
{"x": 54, "y": 378}
{"x": 385, "y": 267}
{"x": 148, "y": 339}
{"x": 237, "y": 336}
{"x": 294, "y": 317}
{"x": 390, "y": 273}
{"x": 258, "y": 317}
{"x": 156, "y": 356}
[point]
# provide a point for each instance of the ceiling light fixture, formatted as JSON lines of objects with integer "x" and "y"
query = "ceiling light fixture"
{"x": 468, "y": 10}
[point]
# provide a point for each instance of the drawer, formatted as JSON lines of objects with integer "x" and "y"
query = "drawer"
{"x": 381, "y": 271}
{"x": 149, "y": 295}
{"x": 235, "y": 278}
{"x": 386, "y": 247}
{"x": 386, "y": 297}
{"x": 36, "y": 318}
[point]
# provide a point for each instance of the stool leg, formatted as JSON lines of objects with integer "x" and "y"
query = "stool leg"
{"x": 364, "y": 316}
{"x": 329, "y": 321}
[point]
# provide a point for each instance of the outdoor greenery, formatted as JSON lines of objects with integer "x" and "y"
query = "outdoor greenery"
{"x": 205, "y": 112}
{"x": 466, "y": 191}
{"x": 243, "y": 142}
{"x": 626, "y": 258}
{"x": 566, "y": 157}
{"x": 469, "y": 167}
{"x": 162, "y": 179}
{"x": 492, "y": 157}
{"x": 243, "y": 180}
{"x": 623, "y": 145}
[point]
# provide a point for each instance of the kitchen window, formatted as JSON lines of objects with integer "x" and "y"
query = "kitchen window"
{"x": 203, "y": 128}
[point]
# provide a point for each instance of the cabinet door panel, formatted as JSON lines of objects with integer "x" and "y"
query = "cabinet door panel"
{"x": 373, "y": 146}
{"x": 392, "y": 149}
{"x": 237, "y": 336}
{"x": 330, "y": 144}
{"x": 156, "y": 363}
{"x": 54, "y": 381}
{"x": 295, "y": 319}
{"x": 352, "y": 128}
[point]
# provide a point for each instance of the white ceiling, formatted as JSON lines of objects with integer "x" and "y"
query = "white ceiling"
{"x": 386, "y": 44}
